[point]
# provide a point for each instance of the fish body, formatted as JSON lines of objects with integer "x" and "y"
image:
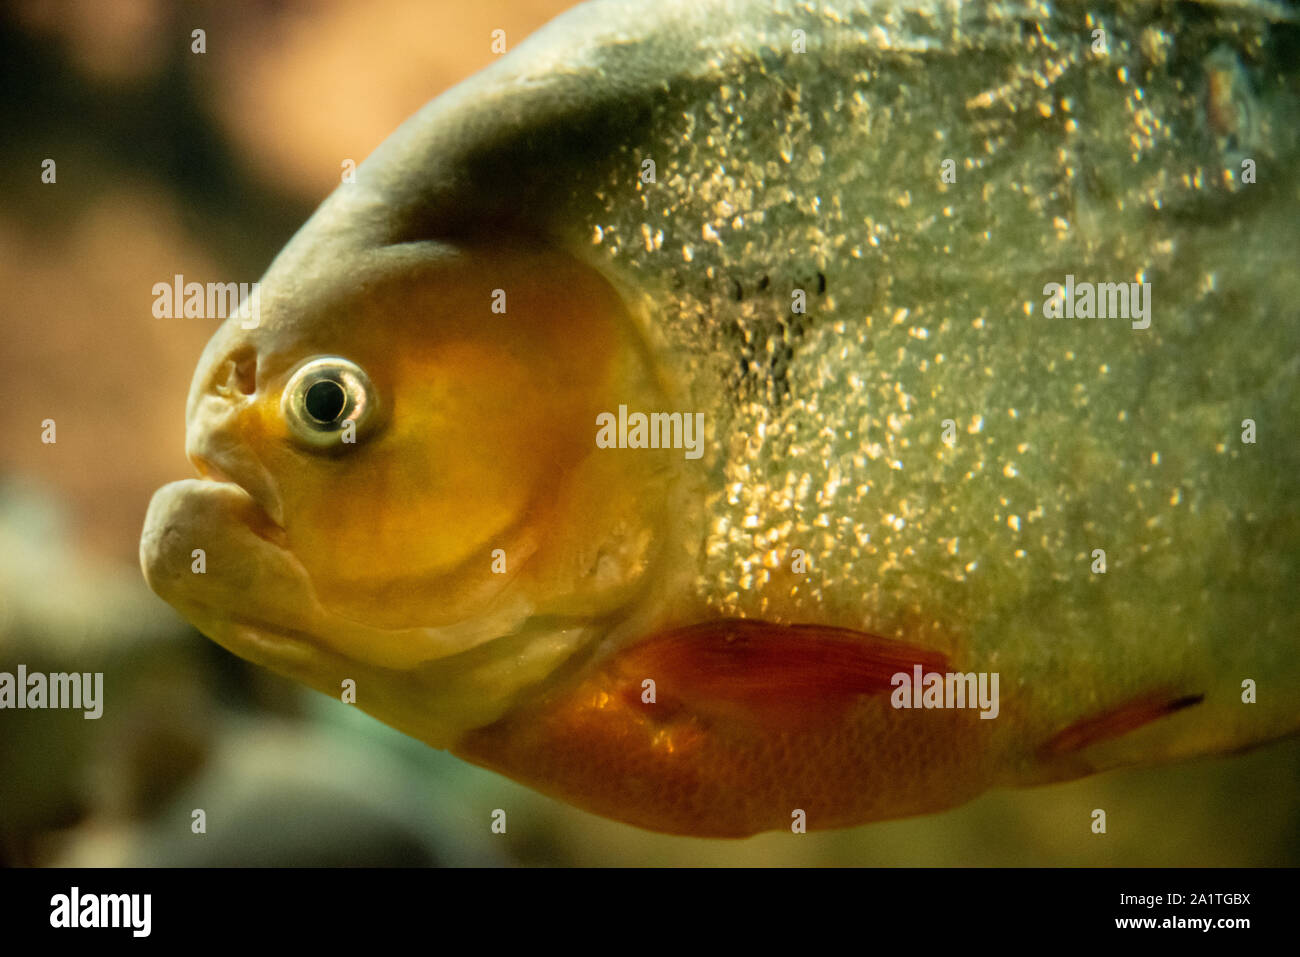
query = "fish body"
{"x": 984, "y": 314}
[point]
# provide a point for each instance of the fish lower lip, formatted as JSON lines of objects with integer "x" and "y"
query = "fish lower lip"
{"x": 196, "y": 512}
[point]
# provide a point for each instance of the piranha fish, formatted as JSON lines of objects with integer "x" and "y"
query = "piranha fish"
{"x": 941, "y": 535}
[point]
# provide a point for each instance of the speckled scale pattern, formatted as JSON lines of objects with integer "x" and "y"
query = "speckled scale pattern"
{"x": 776, "y": 170}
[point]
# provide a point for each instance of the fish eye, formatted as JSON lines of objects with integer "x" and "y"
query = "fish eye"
{"x": 323, "y": 396}
{"x": 325, "y": 400}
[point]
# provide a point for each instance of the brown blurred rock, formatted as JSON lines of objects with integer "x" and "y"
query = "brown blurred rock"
{"x": 82, "y": 347}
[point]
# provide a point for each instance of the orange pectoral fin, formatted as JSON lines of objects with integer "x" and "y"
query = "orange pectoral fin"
{"x": 781, "y": 676}
{"x": 1118, "y": 721}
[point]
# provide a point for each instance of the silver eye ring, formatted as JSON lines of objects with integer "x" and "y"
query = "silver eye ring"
{"x": 328, "y": 402}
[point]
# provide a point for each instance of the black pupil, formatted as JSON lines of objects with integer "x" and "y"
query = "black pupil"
{"x": 325, "y": 400}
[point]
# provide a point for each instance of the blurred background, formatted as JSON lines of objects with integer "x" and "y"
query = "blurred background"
{"x": 167, "y": 162}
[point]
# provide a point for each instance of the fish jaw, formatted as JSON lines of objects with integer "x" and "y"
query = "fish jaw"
{"x": 206, "y": 544}
{"x": 255, "y": 599}
{"x": 254, "y": 596}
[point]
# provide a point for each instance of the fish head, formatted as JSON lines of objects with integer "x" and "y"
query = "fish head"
{"x": 398, "y": 478}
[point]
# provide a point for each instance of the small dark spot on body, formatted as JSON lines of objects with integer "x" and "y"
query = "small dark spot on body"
{"x": 1185, "y": 702}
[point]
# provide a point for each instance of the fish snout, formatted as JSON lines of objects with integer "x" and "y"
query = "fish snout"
{"x": 231, "y": 376}
{"x": 225, "y": 386}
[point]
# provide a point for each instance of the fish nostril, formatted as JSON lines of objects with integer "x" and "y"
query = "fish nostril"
{"x": 237, "y": 374}
{"x": 246, "y": 373}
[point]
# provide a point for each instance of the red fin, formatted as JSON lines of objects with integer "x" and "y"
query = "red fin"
{"x": 788, "y": 675}
{"x": 1111, "y": 724}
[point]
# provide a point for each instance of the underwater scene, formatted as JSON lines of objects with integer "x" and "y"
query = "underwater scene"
{"x": 729, "y": 432}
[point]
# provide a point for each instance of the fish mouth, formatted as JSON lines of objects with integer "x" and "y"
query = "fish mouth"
{"x": 248, "y": 572}
{"x": 265, "y": 513}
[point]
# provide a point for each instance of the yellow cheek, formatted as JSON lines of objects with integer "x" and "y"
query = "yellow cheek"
{"x": 482, "y": 425}
{"x": 472, "y": 452}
